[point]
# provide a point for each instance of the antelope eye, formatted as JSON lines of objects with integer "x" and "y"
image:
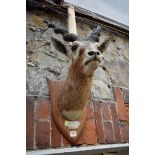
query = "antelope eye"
{"x": 74, "y": 47}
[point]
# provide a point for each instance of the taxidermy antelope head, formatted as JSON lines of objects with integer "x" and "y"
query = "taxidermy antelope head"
{"x": 85, "y": 56}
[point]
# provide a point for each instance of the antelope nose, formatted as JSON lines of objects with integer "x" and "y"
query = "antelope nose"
{"x": 94, "y": 53}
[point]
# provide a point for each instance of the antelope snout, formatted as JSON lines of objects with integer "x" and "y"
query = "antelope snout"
{"x": 91, "y": 53}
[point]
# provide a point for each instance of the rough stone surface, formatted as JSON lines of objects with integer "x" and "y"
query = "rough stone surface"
{"x": 116, "y": 62}
{"x": 36, "y": 81}
{"x": 101, "y": 91}
{"x": 43, "y": 60}
{"x": 102, "y": 75}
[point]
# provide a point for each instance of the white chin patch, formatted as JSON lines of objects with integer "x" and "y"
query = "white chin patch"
{"x": 91, "y": 67}
{"x": 93, "y": 64}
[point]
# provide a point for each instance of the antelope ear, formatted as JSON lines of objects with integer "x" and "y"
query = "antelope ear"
{"x": 58, "y": 45}
{"x": 104, "y": 45}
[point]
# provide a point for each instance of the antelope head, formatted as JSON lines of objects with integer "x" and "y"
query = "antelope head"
{"x": 86, "y": 53}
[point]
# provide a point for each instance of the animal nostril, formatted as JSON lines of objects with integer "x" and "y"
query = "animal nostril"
{"x": 91, "y": 53}
{"x": 98, "y": 53}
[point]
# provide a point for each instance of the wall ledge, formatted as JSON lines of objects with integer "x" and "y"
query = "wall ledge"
{"x": 81, "y": 150}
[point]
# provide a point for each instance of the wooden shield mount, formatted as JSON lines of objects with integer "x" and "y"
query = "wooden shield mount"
{"x": 71, "y": 130}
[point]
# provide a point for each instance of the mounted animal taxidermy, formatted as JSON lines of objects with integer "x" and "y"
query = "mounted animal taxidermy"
{"x": 69, "y": 108}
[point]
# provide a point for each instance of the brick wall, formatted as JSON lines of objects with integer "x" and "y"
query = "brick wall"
{"x": 106, "y": 122}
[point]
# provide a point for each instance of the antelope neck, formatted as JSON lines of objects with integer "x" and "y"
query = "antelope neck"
{"x": 75, "y": 92}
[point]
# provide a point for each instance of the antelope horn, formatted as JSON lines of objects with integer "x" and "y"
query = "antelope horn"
{"x": 94, "y": 37}
{"x": 70, "y": 37}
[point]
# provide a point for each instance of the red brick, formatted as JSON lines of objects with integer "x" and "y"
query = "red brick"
{"x": 113, "y": 110}
{"x": 90, "y": 133}
{"x": 29, "y": 122}
{"x": 125, "y": 132}
{"x": 42, "y": 134}
{"x": 120, "y": 104}
{"x": 108, "y": 133}
{"x": 127, "y": 112}
{"x": 106, "y": 111}
{"x": 126, "y": 95}
{"x": 90, "y": 111}
{"x": 100, "y": 133}
{"x": 115, "y": 123}
{"x": 97, "y": 111}
{"x": 117, "y": 132}
{"x": 55, "y": 135}
{"x": 98, "y": 122}
{"x": 42, "y": 108}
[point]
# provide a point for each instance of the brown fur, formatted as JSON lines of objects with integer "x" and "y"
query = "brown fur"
{"x": 76, "y": 90}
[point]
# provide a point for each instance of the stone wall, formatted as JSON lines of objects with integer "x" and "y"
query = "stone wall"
{"x": 43, "y": 60}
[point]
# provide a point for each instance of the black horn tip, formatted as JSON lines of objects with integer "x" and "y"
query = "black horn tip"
{"x": 70, "y": 37}
{"x": 60, "y": 30}
{"x": 96, "y": 34}
{"x": 93, "y": 38}
{"x": 97, "y": 31}
{"x": 51, "y": 25}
